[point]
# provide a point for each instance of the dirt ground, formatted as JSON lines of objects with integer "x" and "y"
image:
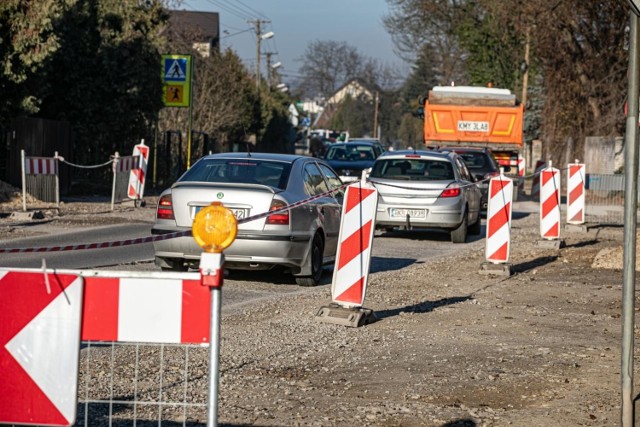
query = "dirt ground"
{"x": 451, "y": 347}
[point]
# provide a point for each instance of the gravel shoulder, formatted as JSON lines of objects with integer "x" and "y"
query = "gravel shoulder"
{"x": 451, "y": 346}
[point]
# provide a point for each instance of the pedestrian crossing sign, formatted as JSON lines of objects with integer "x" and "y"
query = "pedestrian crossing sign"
{"x": 176, "y": 79}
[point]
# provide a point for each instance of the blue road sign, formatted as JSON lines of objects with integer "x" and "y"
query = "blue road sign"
{"x": 175, "y": 69}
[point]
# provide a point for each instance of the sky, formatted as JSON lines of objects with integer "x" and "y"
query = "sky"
{"x": 296, "y": 23}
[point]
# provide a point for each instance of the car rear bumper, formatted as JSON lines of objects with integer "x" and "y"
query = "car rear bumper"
{"x": 446, "y": 217}
{"x": 251, "y": 251}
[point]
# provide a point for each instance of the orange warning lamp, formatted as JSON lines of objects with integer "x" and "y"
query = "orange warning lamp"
{"x": 214, "y": 228}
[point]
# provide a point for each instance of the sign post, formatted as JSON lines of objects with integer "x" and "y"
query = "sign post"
{"x": 177, "y": 78}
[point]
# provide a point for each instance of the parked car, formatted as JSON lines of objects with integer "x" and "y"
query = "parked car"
{"x": 426, "y": 189}
{"x": 349, "y": 159}
{"x": 482, "y": 165}
{"x": 302, "y": 239}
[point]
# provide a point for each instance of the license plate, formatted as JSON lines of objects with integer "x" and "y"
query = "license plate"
{"x": 239, "y": 213}
{"x": 413, "y": 213}
{"x": 469, "y": 126}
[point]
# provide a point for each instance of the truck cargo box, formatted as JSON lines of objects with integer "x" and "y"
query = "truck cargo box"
{"x": 473, "y": 115}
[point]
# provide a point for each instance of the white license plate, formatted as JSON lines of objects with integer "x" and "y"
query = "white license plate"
{"x": 239, "y": 213}
{"x": 469, "y": 126}
{"x": 413, "y": 213}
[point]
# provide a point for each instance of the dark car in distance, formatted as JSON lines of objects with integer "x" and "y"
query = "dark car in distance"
{"x": 350, "y": 159}
{"x": 481, "y": 164}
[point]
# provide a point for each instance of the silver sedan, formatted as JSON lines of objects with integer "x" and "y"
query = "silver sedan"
{"x": 426, "y": 189}
{"x": 301, "y": 239}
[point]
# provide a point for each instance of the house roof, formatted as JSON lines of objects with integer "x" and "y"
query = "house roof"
{"x": 195, "y": 26}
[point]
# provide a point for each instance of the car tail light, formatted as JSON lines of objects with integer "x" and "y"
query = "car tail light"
{"x": 450, "y": 192}
{"x": 280, "y": 218}
{"x": 413, "y": 156}
{"x": 165, "y": 208}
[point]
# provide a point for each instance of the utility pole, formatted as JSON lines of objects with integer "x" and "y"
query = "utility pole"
{"x": 269, "y": 69}
{"x": 259, "y": 37}
{"x": 375, "y": 116}
{"x": 525, "y": 77}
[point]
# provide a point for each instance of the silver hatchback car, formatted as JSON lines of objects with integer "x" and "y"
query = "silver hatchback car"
{"x": 426, "y": 189}
{"x": 301, "y": 239}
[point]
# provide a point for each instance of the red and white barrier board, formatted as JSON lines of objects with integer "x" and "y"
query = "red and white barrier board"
{"x": 40, "y": 166}
{"x": 521, "y": 166}
{"x": 138, "y": 174}
{"x": 498, "y": 239}
{"x": 39, "y": 347}
{"x": 126, "y": 163}
{"x": 550, "y": 203}
{"x": 146, "y": 309}
{"x": 354, "y": 246}
{"x": 576, "y": 193}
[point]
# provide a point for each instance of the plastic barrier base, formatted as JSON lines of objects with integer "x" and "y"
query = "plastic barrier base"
{"x": 25, "y": 216}
{"x": 551, "y": 244}
{"x": 352, "y": 317}
{"x": 579, "y": 228}
{"x": 496, "y": 269}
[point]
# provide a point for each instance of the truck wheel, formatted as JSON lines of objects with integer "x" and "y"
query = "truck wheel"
{"x": 459, "y": 235}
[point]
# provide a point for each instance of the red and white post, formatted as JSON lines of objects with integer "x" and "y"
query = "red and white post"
{"x": 138, "y": 174}
{"x": 576, "y": 193}
{"x": 550, "y": 207}
{"x": 498, "y": 230}
{"x": 353, "y": 257}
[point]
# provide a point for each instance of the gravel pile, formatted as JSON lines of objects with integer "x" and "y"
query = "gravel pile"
{"x": 450, "y": 347}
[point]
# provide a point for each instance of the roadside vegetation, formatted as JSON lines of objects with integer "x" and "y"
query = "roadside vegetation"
{"x": 95, "y": 64}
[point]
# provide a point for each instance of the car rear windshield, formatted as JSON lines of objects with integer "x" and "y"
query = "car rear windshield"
{"x": 413, "y": 170}
{"x": 240, "y": 171}
{"x": 478, "y": 161}
{"x": 352, "y": 152}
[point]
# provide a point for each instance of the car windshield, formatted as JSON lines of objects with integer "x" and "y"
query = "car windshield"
{"x": 351, "y": 152}
{"x": 239, "y": 171}
{"x": 478, "y": 162}
{"x": 413, "y": 170}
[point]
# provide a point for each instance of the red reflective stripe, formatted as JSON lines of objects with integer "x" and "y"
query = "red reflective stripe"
{"x": 546, "y": 176}
{"x": 353, "y": 293}
{"x": 500, "y": 254}
{"x": 550, "y": 204}
{"x": 578, "y": 216}
{"x": 354, "y": 245}
{"x": 553, "y": 231}
{"x": 496, "y": 186}
{"x": 498, "y": 220}
{"x": 195, "y": 312}
{"x": 100, "y": 310}
{"x": 575, "y": 193}
{"x": 355, "y": 196}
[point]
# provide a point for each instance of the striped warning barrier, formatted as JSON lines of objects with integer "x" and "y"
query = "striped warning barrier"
{"x": 174, "y": 310}
{"x": 126, "y": 163}
{"x": 354, "y": 245}
{"x": 576, "y": 193}
{"x": 550, "y": 203}
{"x": 498, "y": 234}
{"x": 40, "y": 179}
{"x": 535, "y": 186}
{"x": 40, "y": 166}
{"x": 138, "y": 174}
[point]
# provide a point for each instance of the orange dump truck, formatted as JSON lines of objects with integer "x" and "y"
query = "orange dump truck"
{"x": 473, "y": 116}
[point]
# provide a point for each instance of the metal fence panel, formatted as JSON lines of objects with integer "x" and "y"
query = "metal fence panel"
{"x": 142, "y": 384}
{"x": 605, "y": 199}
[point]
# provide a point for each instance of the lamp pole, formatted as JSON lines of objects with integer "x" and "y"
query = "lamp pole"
{"x": 259, "y": 37}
